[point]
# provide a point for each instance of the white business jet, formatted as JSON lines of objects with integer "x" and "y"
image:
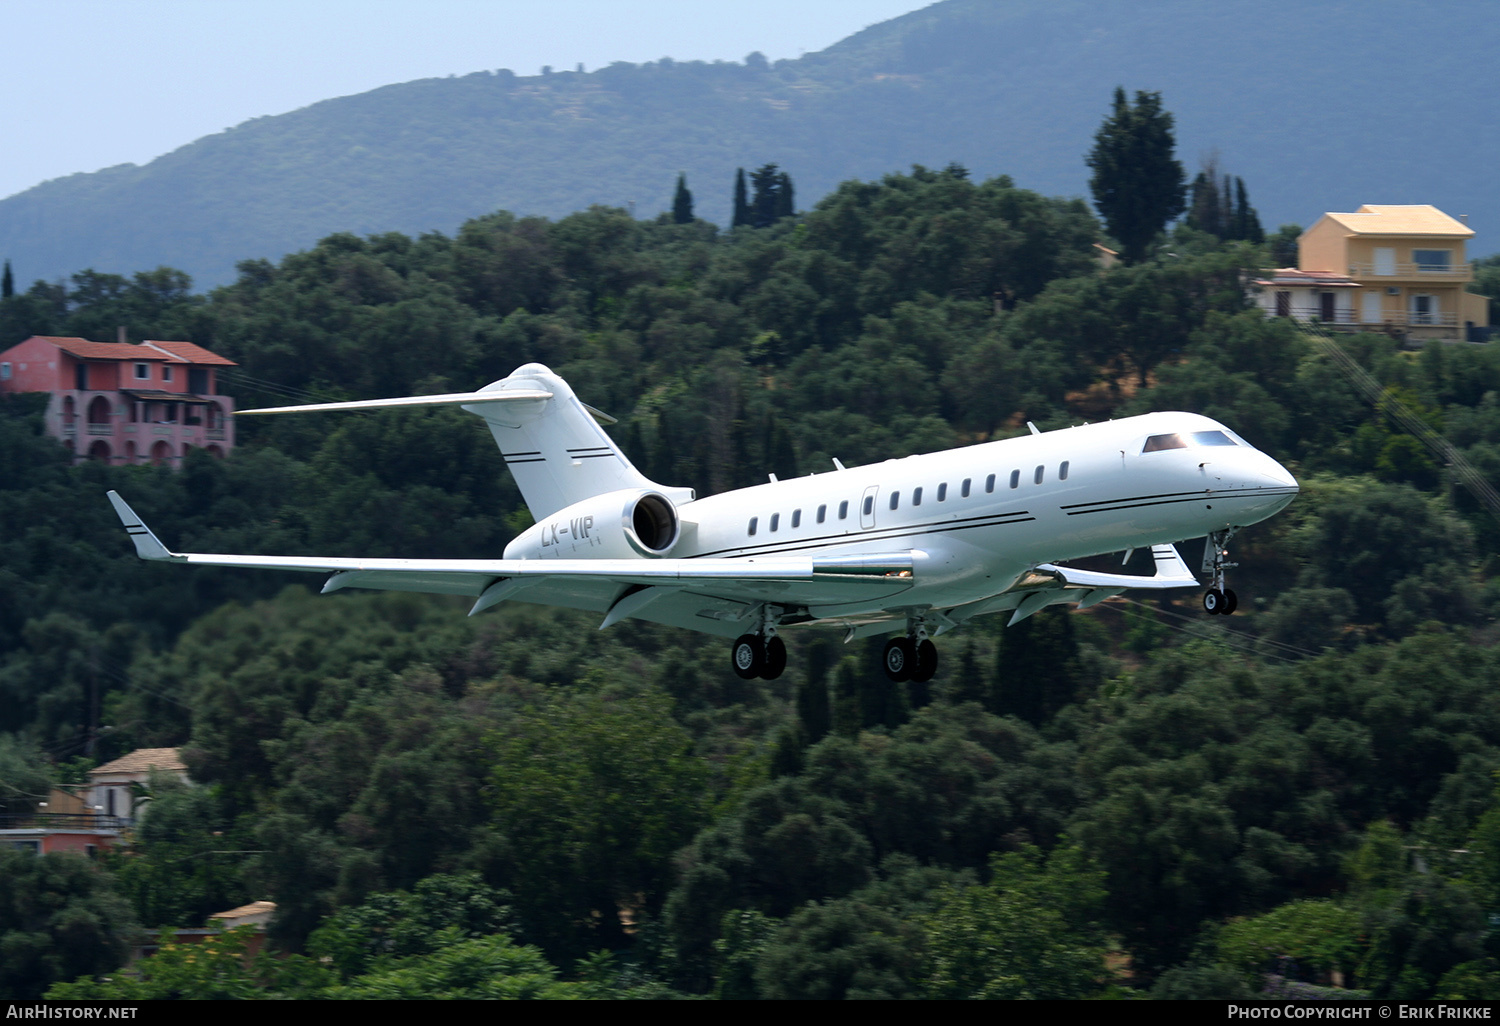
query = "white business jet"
{"x": 916, "y": 545}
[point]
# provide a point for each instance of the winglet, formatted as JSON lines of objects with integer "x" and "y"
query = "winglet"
{"x": 146, "y": 544}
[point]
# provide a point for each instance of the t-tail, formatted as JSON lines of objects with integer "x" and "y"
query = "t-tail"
{"x": 553, "y": 444}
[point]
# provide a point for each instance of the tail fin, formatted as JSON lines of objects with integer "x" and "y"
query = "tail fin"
{"x": 554, "y": 447}
{"x": 551, "y": 442}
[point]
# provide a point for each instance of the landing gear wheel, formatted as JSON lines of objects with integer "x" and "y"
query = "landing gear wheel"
{"x": 1231, "y": 602}
{"x": 748, "y": 656}
{"x": 775, "y": 659}
{"x": 899, "y": 659}
{"x": 927, "y": 662}
{"x": 1214, "y": 602}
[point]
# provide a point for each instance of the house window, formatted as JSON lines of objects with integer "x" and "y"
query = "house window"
{"x": 143, "y": 372}
{"x": 1433, "y": 261}
{"x": 166, "y": 372}
{"x": 4, "y": 371}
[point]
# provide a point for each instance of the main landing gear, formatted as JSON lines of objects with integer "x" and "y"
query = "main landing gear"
{"x": 913, "y": 657}
{"x": 761, "y": 654}
{"x": 1218, "y": 600}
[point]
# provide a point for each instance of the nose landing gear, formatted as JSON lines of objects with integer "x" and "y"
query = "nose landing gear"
{"x": 1218, "y": 600}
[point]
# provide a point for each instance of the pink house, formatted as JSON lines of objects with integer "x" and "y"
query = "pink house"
{"x": 123, "y": 403}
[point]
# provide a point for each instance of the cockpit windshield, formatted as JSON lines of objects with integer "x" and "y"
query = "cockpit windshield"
{"x": 1187, "y": 440}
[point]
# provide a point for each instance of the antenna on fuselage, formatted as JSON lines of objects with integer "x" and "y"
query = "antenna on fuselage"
{"x": 1034, "y": 429}
{"x": 836, "y": 462}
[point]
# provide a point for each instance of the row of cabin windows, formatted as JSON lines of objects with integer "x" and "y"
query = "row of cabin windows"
{"x": 1038, "y": 476}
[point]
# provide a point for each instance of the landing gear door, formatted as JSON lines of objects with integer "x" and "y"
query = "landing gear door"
{"x": 867, "y": 508}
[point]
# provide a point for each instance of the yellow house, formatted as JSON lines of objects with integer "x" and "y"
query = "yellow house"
{"x": 1407, "y": 264}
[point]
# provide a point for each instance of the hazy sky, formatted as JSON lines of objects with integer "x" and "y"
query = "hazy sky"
{"x": 86, "y": 84}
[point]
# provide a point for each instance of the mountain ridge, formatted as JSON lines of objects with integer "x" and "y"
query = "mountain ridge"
{"x": 1016, "y": 88}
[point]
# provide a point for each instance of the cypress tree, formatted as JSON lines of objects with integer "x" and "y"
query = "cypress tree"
{"x": 741, "y": 203}
{"x": 765, "y": 204}
{"x": 1247, "y": 224}
{"x": 785, "y": 207}
{"x": 682, "y": 202}
{"x": 1138, "y": 183}
{"x": 7, "y": 283}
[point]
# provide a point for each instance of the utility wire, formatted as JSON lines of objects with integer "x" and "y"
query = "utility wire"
{"x": 1403, "y": 415}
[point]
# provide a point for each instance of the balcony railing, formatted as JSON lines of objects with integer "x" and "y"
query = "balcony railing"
{"x": 101, "y": 429}
{"x": 61, "y": 821}
{"x": 1422, "y": 272}
{"x": 1399, "y": 318}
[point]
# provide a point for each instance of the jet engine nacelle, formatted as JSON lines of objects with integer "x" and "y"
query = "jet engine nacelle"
{"x": 626, "y": 524}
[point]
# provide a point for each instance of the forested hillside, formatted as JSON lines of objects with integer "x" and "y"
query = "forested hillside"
{"x": 1281, "y": 93}
{"x": 1132, "y": 799}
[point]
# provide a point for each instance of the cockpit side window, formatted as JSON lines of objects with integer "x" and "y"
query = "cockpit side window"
{"x": 1156, "y": 443}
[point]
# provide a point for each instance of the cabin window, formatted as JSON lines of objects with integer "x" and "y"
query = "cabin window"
{"x": 869, "y": 504}
{"x": 143, "y": 372}
{"x": 916, "y": 497}
{"x": 989, "y": 483}
{"x": 822, "y": 513}
{"x": 895, "y": 499}
{"x": 943, "y": 492}
{"x": 753, "y": 522}
{"x": 796, "y": 518}
{"x": 1038, "y": 475}
{"x": 775, "y": 521}
{"x": 844, "y": 509}
{"x": 1015, "y": 479}
{"x": 963, "y": 492}
{"x": 1062, "y": 471}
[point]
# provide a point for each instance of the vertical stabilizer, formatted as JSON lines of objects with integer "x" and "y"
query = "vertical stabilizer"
{"x": 554, "y": 447}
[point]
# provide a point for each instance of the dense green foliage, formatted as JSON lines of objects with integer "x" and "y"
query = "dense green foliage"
{"x": 1127, "y": 797}
{"x": 1137, "y": 180}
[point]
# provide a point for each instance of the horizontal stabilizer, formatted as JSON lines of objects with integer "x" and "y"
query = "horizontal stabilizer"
{"x": 450, "y": 399}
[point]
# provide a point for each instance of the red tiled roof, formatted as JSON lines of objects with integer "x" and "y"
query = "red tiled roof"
{"x": 187, "y": 352}
{"x": 102, "y": 350}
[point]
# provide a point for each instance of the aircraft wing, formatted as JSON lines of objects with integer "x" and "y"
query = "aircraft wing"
{"x": 619, "y": 587}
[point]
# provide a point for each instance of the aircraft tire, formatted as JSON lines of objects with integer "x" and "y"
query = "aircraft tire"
{"x": 775, "y": 660}
{"x": 748, "y": 656}
{"x": 1231, "y": 602}
{"x": 927, "y": 662}
{"x": 1213, "y": 602}
{"x": 898, "y": 659}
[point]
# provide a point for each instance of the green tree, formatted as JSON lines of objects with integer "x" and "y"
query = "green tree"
{"x": 593, "y": 791}
{"x": 60, "y": 918}
{"x": 1137, "y": 183}
{"x": 7, "y": 283}
{"x": 682, "y": 202}
{"x": 742, "y": 214}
